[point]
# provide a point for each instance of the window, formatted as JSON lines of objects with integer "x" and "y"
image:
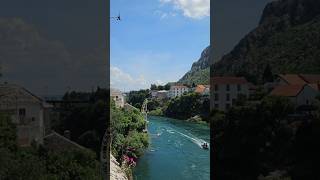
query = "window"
{"x": 228, "y": 87}
{"x": 228, "y": 97}
{"x": 22, "y": 112}
{"x": 22, "y": 115}
{"x": 228, "y": 106}
{"x": 239, "y": 87}
{"x": 216, "y": 87}
{"x": 216, "y": 97}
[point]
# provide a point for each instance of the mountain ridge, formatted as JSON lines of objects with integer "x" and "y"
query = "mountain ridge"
{"x": 287, "y": 35}
{"x": 199, "y": 72}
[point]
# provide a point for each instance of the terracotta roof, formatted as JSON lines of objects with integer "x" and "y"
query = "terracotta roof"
{"x": 228, "y": 80}
{"x": 200, "y": 88}
{"x": 14, "y": 90}
{"x": 287, "y": 90}
{"x": 311, "y": 78}
{"x": 292, "y": 78}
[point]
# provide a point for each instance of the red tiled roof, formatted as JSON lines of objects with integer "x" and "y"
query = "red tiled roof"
{"x": 287, "y": 90}
{"x": 292, "y": 78}
{"x": 228, "y": 80}
{"x": 200, "y": 88}
{"x": 311, "y": 78}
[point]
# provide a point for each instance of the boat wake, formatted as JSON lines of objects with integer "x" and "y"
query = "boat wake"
{"x": 191, "y": 137}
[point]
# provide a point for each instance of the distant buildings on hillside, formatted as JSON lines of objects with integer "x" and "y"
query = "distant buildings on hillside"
{"x": 301, "y": 89}
{"x": 202, "y": 89}
{"x": 177, "y": 90}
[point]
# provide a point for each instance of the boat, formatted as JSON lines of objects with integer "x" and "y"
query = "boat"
{"x": 204, "y": 146}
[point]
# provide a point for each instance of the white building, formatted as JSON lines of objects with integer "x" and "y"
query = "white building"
{"x": 29, "y": 112}
{"x": 118, "y": 97}
{"x": 225, "y": 90}
{"x": 177, "y": 90}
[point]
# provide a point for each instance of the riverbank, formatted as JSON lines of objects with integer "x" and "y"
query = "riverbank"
{"x": 129, "y": 140}
{"x": 116, "y": 172}
{"x": 195, "y": 119}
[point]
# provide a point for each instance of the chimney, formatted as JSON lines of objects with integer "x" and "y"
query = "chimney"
{"x": 67, "y": 134}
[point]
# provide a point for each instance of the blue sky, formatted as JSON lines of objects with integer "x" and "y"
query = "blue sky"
{"x": 156, "y": 41}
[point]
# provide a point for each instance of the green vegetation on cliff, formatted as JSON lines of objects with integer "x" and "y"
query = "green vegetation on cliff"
{"x": 127, "y": 136}
{"x": 199, "y": 73}
{"x": 287, "y": 39}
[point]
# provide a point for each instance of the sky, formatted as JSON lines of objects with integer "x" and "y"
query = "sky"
{"x": 156, "y": 41}
{"x": 50, "y": 47}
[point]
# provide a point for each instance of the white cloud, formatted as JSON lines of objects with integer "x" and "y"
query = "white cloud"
{"x": 122, "y": 80}
{"x": 164, "y": 15}
{"x": 159, "y": 82}
{"x": 195, "y": 9}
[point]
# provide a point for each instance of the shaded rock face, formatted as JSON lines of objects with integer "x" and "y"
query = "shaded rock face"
{"x": 287, "y": 38}
{"x": 198, "y": 73}
{"x": 204, "y": 60}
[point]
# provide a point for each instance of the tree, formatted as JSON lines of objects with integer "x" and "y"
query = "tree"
{"x": 7, "y": 133}
{"x": 167, "y": 87}
{"x": 267, "y": 74}
{"x": 185, "y": 106}
{"x": 160, "y": 87}
{"x": 136, "y": 98}
{"x": 153, "y": 87}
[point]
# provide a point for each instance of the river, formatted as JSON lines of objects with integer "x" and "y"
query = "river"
{"x": 175, "y": 151}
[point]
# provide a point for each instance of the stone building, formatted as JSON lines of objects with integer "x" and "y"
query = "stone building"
{"x": 30, "y": 113}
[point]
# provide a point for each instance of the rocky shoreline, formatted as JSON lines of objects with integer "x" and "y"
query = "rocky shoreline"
{"x": 116, "y": 173}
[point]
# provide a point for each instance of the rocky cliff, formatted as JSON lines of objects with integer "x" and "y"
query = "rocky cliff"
{"x": 199, "y": 73}
{"x": 287, "y": 39}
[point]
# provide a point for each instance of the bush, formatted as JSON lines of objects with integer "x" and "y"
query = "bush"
{"x": 156, "y": 112}
{"x": 127, "y": 132}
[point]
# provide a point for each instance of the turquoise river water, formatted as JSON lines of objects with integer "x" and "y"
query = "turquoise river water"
{"x": 175, "y": 151}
